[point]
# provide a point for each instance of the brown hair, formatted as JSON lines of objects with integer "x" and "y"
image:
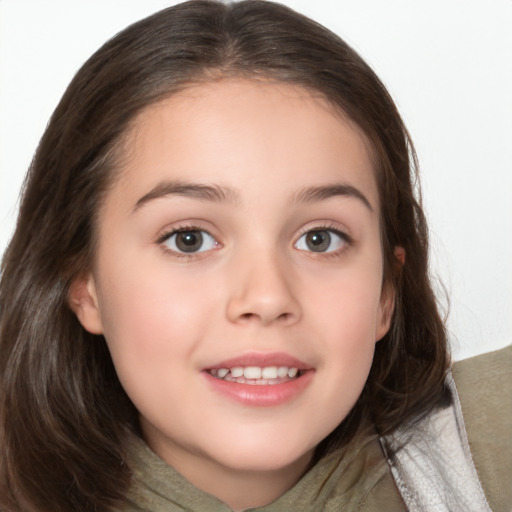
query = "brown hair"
{"x": 64, "y": 417}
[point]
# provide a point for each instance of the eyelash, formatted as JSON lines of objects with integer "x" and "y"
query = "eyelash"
{"x": 348, "y": 241}
{"x": 160, "y": 241}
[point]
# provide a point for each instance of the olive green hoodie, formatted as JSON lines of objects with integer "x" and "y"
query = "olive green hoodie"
{"x": 359, "y": 478}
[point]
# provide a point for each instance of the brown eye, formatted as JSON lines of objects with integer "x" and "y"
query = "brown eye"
{"x": 322, "y": 240}
{"x": 318, "y": 241}
{"x": 191, "y": 241}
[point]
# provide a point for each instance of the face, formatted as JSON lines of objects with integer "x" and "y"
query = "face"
{"x": 238, "y": 275}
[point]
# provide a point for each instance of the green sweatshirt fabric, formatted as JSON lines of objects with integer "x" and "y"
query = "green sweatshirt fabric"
{"x": 484, "y": 384}
{"x": 358, "y": 479}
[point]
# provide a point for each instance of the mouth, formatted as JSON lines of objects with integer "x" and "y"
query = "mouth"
{"x": 260, "y": 379}
{"x": 257, "y": 375}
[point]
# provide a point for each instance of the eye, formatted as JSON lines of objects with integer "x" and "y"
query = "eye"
{"x": 189, "y": 241}
{"x": 322, "y": 240}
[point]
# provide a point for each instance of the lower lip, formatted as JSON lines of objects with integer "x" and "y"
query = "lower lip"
{"x": 261, "y": 395}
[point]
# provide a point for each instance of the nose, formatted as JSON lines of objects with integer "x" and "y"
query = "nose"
{"x": 262, "y": 291}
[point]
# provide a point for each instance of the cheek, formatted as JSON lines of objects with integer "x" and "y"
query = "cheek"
{"x": 348, "y": 300}
{"x": 345, "y": 316}
{"x": 153, "y": 316}
{"x": 153, "y": 326}
{"x": 352, "y": 323}
{"x": 346, "y": 313}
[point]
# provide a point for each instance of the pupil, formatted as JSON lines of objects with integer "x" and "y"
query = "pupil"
{"x": 189, "y": 241}
{"x": 318, "y": 241}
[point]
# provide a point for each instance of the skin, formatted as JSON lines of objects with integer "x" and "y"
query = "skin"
{"x": 255, "y": 287}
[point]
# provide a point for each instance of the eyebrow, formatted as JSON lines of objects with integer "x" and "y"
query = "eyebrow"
{"x": 203, "y": 192}
{"x": 322, "y": 192}
{"x": 220, "y": 194}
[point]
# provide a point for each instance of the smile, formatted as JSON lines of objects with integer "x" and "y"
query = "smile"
{"x": 255, "y": 375}
{"x": 261, "y": 380}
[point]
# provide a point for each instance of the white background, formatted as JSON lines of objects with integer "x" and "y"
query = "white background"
{"x": 448, "y": 65}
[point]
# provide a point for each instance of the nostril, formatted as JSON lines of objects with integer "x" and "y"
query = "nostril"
{"x": 263, "y": 304}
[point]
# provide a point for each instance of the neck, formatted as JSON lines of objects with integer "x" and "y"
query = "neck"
{"x": 240, "y": 489}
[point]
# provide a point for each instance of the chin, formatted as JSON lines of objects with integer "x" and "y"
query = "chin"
{"x": 265, "y": 456}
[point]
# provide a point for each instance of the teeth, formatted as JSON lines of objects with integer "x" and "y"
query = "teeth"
{"x": 237, "y": 372}
{"x": 292, "y": 372}
{"x": 265, "y": 375}
{"x": 282, "y": 371}
{"x": 252, "y": 372}
{"x": 269, "y": 372}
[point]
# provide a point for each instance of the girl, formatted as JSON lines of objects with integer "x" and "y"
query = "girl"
{"x": 216, "y": 297}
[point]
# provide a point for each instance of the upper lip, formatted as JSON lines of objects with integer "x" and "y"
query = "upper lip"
{"x": 261, "y": 360}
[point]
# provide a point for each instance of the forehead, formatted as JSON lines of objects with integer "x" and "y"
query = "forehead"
{"x": 240, "y": 132}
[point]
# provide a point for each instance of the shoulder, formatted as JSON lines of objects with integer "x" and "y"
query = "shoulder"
{"x": 495, "y": 366}
{"x": 484, "y": 385}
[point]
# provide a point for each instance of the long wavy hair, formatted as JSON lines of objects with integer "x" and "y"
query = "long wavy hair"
{"x": 64, "y": 417}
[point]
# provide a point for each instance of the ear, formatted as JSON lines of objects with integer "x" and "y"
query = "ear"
{"x": 388, "y": 295}
{"x": 83, "y": 300}
{"x": 399, "y": 253}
